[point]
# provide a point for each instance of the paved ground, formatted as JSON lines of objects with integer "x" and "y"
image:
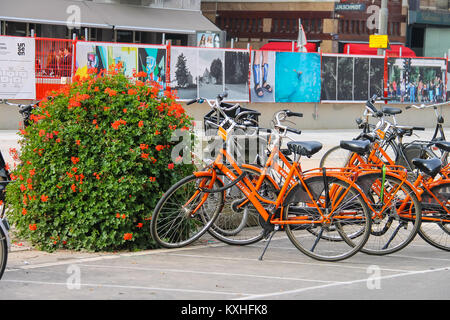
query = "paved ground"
{"x": 214, "y": 271}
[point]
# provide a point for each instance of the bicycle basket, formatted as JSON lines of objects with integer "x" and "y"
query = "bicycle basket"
{"x": 212, "y": 119}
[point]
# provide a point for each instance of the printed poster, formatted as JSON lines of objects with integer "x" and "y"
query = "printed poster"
{"x": 297, "y": 77}
{"x": 17, "y": 68}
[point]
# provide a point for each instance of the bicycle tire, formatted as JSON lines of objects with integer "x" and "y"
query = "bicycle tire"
{"x": 241, "y": 227}
{"x": 336, "y": 157}
{"x": 179, "y": 228}
{"x": 315, "y": 244}
{"x": 3, "y": 253}
{"x": 394, "y": 230}
{"x": 437, "y": 233}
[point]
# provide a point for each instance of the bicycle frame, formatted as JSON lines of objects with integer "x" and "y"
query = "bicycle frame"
{"x": 250, "y": 190}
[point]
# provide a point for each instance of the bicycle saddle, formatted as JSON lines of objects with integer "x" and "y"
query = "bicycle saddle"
{"x": 430, "y": 167}
{"x": 443, "y": 145}
{"x": 391, "y": 110}
{"x": 304, "y": 148}
{"x": 357, "y": 146}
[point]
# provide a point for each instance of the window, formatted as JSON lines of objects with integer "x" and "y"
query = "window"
{"x": 124, "y": 36}
{"x": 16, "y": 29}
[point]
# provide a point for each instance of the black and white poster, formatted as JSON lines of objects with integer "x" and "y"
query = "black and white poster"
{"x": 184, "y": 72}
{"x": 329, "y": 78}
{"x": 211, "y": 73}
{"x": 351, "y": 78}
{"x": 236, "y": 75}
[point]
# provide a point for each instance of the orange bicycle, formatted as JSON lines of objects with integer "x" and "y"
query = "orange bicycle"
{"x": 429, "y": 182}
{"x": 310, "y": 208}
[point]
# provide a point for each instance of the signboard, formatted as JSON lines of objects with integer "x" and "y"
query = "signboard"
{"x": 378, "y": 41}
{"x": 349, "y": 7}
{"x": 17, "y": 68}
{"x": 207, "y": 39}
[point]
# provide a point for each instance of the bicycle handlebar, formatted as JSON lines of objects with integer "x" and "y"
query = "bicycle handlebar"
{"x": 22, "y": 107}
{"x": 424, "y": 106}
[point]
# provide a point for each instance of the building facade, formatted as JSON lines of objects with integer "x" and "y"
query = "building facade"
{"x": 132, "y": 21}
{"x": 429, "y": 27}
{"x": 331, "y": 24}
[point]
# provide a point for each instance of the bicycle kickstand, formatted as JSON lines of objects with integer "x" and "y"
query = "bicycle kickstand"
{"x": 276, "y": 228}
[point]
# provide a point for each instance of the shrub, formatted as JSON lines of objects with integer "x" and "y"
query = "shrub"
{"x": 94, "y": 161}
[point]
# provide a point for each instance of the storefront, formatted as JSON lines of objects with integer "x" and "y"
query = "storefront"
{"x": 102, "y": 21}
{"x": 429, "y": 32}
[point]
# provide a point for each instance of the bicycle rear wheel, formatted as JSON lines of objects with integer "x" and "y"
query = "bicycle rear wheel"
{"x": 395, "y": 227}
{"x": 435, "y": 227}
{"x": 347, "y": 229}
{"x": 185, "y": 212}
{"x": 335, "y": 157}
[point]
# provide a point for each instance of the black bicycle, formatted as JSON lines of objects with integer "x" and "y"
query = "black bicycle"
{"x": 438, "y": 134}
{"x": 5, "y": 178}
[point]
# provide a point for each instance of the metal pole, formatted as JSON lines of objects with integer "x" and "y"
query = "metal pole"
{"x": 383, "y": 21}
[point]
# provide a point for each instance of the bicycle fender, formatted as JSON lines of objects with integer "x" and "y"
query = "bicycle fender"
{"x": 4, "y": 226}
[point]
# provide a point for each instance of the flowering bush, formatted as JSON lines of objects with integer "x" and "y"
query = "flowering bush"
{"x": 94, "y": 161}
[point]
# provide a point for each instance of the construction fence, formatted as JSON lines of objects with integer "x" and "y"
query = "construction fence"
{"x": 31, "y": 67}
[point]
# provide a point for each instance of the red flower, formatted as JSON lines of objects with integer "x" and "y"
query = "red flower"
{"x": 110, "y": 92}
{"x": 144, "y": 155}
{"x": 170, "y": 166}
{"x": 159, "y": 147}
{"x": 117, "y": 123}
{"x": 44, "y": 198}
{"x": 32, "y": 227}
{"x": 73, "y": 187}
{"x": 140, "y": 225}
{"x": 141, "y": 124}
{"x": 127, "y": 236}
{"x": 75, "y": 160}
{"x": 24, "y": 211}
{"x": 143, "y": 146}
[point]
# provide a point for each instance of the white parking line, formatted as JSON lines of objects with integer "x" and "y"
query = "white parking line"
{"x": 273, "y": 294}
{"x": 331, "y": 264}
{"x": 103, "y": 285}
{"x": 107, "y": 257}
{"x": 246, "y": 275}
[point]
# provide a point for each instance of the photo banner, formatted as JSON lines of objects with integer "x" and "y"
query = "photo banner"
{"x": 351, "y": 78}
{"x": 417, "y": 80}
{"x": 17, "y": 68}
{"x": 262, "y": 77}
{"x": 134, "y": 58}
{"x": 208, "y": 72}
{"x": 297, "y": 77}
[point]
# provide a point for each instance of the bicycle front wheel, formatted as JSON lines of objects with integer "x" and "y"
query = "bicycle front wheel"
{"x": 185, "y": 212}
{"x": 241, "y": 226}
{"x": 435, "y": 227}
{"x": 3, "y": 252}
{"x": 340, "y": 236}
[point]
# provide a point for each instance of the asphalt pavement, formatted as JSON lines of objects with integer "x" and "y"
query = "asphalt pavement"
{"x": 212, "y": 271}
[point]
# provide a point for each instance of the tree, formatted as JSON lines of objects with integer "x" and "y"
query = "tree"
{"x": 182, "y": 72}
{"x": 216, "y": 70}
